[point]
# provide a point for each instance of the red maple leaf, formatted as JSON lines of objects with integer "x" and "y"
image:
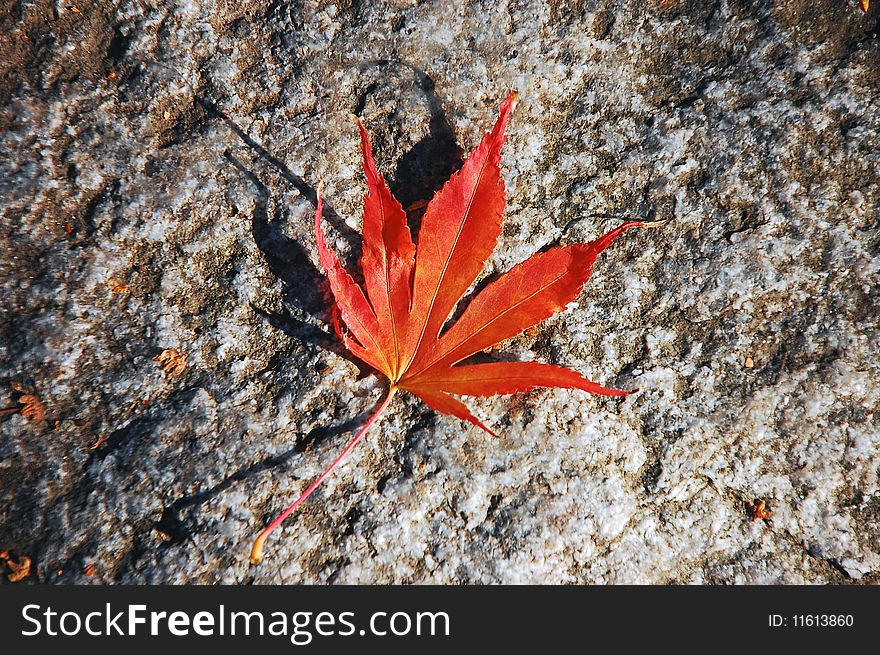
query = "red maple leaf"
{"x": 395, "y": 323}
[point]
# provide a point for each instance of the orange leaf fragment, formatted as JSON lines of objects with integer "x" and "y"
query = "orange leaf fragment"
{"x": 97, "y": 443}
{"x": 758, "y": 510}
{"x": 865, "y": 5}
{"x": 118, "y": 287}
{"x": 32, "y": 408}
{"x": 18, "y": 570}
{"x": 172, "y": 362}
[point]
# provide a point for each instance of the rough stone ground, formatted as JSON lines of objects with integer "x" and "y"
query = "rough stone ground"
{"x": 157, "y": 172}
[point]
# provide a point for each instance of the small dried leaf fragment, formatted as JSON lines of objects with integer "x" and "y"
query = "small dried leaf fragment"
{"x": 32, "y": 408}
{"x": 19, "y": 570}
{"x": 98, "y": 442}
{"x": 29, "y": 405}
{"x": 865, "y": 5}
{"x": 90, "y": 570}
{"x": 172, "y": 362}
{"x": 758, "y": 510}
{"x": 118, "y": 287}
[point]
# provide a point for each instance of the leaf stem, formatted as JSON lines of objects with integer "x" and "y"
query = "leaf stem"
{"x": 257, "y": 550}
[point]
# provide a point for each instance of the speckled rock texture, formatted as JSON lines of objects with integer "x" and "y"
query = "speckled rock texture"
{"x": 157, "y": 171}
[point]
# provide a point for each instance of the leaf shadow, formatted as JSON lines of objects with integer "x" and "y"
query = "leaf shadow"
{"x": 432, "y": 160}
{"x": 174, "y": 524}
{"x": 290, "y": 263}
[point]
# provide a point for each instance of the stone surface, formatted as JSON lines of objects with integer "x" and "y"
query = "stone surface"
{"x": 157, "y": 172}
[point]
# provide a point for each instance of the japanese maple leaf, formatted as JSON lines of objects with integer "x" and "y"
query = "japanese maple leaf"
{"x": 395, "y": 322}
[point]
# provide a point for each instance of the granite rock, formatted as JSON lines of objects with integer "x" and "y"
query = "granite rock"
{"x": 157, "y": 171}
